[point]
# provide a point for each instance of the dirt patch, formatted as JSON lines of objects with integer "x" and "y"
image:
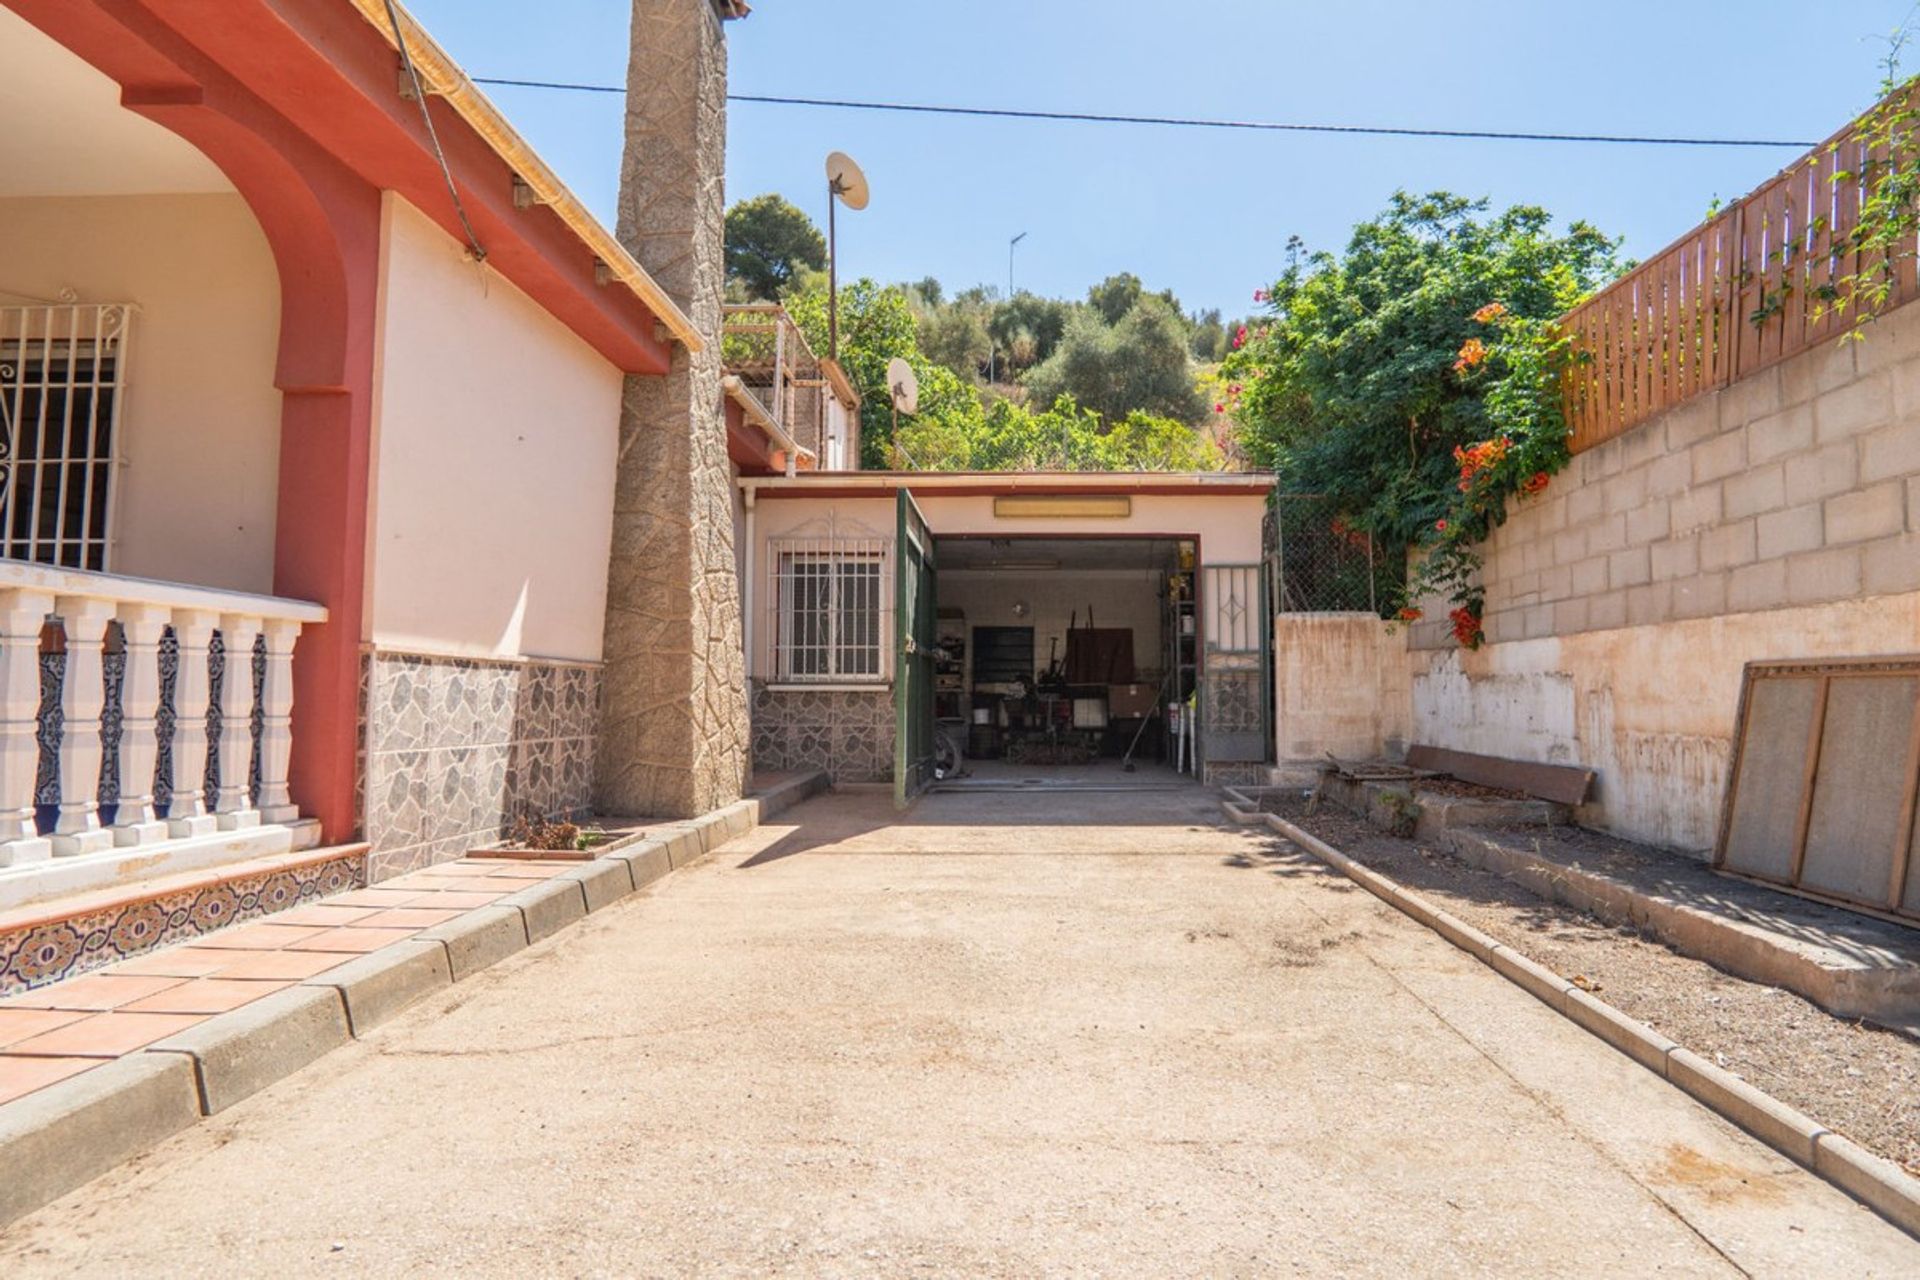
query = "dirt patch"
{"x": 1458, "y": 790}
{"x": 1856, "y": 1079}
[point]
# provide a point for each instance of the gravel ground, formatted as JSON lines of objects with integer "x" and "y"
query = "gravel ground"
{"x": 1856, "y": 1079}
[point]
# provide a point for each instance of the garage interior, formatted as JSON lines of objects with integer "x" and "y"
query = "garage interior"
{"x": 1060, "y": 659}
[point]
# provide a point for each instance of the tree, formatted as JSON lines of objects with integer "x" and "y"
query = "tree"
{"x": 1416, "y": 372}
{"x": 1141, "y": 363}
{"x": 768, "y": 242}
{"x": 1115, "y": 296}
{"x": 877, "y": 325}
{"x": 956, "y": 337}
{"x": 1026, "y": 328}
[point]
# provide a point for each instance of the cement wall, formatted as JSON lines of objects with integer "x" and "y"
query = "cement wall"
{"x": 1777, "y": 518}
{"x": 1341, "y": 685}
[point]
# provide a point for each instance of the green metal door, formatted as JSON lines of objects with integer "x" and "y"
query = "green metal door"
{"x": 914, "y": 622}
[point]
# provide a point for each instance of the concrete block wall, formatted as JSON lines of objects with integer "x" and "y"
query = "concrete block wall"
{"x": 1796, "y": 486}
{"x": 1778, "y": 517}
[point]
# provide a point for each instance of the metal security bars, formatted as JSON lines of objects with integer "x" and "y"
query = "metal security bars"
{"x": 62, "y": 382}
{"x": 829, "y": 609}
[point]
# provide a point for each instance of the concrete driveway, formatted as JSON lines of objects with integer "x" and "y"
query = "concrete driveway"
{"x": 1007, "y": 1035}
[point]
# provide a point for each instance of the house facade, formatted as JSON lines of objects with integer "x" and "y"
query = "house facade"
{"x": 315, "y": 424}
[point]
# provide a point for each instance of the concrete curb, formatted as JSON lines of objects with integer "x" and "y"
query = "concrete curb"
{"x": 1879, "y": 1184}
{"x": 377, "y": 986}
{"x": 238, "y": 1054}
{"x": 56, "y": 1139}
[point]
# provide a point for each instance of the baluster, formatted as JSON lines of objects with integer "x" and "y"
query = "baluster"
{"x": 234, "y": 805}
{"x": 22, "y": 616}
{"x": 83, "y": 695}
{"x": 187, "y": 816}
{"x": 141, "y": 625}
{"x": 276, "y": 732}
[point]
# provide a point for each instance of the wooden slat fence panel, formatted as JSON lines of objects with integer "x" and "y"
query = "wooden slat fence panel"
{"x": 1682, "y": 323}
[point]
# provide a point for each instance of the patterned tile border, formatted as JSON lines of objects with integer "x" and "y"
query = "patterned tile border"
{"x": 47, "y": 951}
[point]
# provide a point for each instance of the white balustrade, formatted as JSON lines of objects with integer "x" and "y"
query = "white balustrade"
{"x": 234, "y": 802}
{"x": 83, "y": 696}
{"x": 276, "y": 722}
{"x": 23, "y": 614}
{"x": 192, "y": 692}
{"x": 142, "y": 627}
{"x": 84, "y": 605}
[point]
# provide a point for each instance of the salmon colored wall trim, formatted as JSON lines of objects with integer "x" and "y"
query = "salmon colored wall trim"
{"x": 322, "y": 221}
{"x": 325, "y": 71}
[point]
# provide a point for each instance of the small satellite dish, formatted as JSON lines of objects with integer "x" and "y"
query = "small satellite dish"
{"x": 845, "y": 180}
{"x": 904, "y": 387}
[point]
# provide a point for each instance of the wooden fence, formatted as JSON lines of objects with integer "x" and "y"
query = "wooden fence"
{"x": 1742, "y": 291}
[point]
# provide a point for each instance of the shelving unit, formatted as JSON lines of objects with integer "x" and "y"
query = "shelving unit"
{"x": 1182, "y": 630}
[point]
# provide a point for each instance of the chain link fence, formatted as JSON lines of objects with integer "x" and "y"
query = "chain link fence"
{"x": 1319, "y": 565}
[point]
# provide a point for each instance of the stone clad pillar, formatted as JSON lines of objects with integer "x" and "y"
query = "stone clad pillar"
{"x": 673, "y": 727}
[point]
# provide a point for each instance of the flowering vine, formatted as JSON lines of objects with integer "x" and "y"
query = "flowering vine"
{"x": 1519, "y": 361}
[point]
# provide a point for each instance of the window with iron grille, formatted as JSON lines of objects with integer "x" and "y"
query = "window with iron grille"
{"x": 829, "y": 606}
{"x": 61, "y": 370}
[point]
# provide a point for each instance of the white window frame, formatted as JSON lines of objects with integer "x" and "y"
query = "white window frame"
{"x": 810, "y": 644}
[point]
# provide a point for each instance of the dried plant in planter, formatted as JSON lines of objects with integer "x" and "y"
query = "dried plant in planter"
{"x": 532, "y": 831}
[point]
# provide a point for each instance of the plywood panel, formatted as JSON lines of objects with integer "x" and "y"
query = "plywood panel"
{"x": 1764, "y": 829}
{"x": 1860, "y": 791}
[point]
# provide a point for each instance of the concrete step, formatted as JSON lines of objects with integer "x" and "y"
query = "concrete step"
{"x": 62, "y": 937}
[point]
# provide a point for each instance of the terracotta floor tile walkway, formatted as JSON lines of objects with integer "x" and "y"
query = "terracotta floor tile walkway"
{"x": 73, "y": 1026}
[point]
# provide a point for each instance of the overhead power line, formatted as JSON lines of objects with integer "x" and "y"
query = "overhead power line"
{"x": 1191, "y": 122}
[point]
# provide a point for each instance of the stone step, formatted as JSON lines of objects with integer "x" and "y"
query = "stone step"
{"x": 46, "y": 941}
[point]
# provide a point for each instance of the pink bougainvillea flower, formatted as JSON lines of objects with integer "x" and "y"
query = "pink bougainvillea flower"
{"x": 1219, "y": 408}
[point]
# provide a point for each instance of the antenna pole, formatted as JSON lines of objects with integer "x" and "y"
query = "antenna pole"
{"x": 833, "y": 275}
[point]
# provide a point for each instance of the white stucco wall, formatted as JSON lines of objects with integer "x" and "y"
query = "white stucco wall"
{"x": 495, "y": 430}
{"x": 201, "y": 422}
{"x": 1650, "y": 709}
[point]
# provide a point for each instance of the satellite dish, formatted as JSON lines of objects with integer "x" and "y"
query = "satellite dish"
{"x": 904, "y": 387}
{"x": 845, "y": 180}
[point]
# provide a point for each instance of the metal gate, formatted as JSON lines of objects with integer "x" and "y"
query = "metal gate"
{"x": 1236, "y": 669}
{"x": 914, "y": 622}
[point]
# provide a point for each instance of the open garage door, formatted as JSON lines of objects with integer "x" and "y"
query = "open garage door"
{"x": 915, "y": 643}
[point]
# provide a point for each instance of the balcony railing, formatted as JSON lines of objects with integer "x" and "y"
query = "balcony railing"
{"x": 764, "y": 348}
{"x": 134, "y": 712}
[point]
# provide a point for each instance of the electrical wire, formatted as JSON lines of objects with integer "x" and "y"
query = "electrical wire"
{"x": 478, "y": 250}
{"x": 1189, "y": 122}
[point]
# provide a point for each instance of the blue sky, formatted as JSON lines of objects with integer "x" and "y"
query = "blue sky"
{"x": 1203, "y": 212}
